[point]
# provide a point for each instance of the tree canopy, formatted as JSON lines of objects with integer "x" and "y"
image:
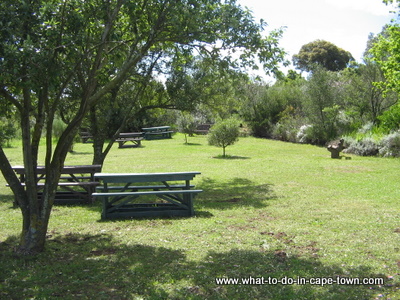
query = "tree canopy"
{"x": 321, "y": 53}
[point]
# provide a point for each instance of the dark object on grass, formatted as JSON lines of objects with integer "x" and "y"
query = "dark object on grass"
{"x": 335, "y": 148}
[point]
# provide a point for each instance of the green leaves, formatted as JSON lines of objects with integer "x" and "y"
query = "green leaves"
{"x": 386, "y": 53}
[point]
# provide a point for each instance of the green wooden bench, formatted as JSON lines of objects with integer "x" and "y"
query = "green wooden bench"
{"x": 153, "y": 133}
{"x": 134, "y": 137}
{"x": 146, "y": 194}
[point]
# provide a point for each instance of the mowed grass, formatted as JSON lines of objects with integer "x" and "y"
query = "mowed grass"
{"x": 272, "y": 209}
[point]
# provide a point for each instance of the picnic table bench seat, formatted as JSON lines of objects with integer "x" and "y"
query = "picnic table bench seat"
{"x": 161, "y": 132}
{"x": 160, "y": 196}
{"x": 142, "y": 187}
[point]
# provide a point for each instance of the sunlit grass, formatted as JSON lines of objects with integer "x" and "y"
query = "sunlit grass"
{"x": 269, "y": 209}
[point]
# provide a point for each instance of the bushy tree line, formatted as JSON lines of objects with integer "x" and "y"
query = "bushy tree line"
{"x": 326, "y": 105}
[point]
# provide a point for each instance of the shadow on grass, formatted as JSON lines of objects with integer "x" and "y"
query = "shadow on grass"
{"x": 232, "y": 194}
{"x": 228, "y": 157}
{"x": 130, "y": 146}
{"x": 7, "y": 199}
{"x": 192, "y": 144}
{"x": 80, "y": 153}
{"x": 101, "y": 267}
{"x": 236, "y": 192}
{"x": 198, "y": 214}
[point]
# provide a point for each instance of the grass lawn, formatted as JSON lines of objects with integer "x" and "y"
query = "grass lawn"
{"x": 272, "y": 211}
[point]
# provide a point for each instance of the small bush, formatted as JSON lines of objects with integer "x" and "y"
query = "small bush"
{"x": 7, "y": 131}
{"x": 364, "y": 147}
{"x": 390, "y": 119}
{"x": 390, "y": 145}
{"x": 302, "y": 136}
{"x": 58, "y": 128}
{"x": 313, "y": 134}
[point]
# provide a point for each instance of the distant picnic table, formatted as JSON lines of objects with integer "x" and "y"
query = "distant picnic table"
{"x": 202, "y": 128}
{"x": 161, "y": 132}
{"x": 86, "y": 137}
{"x": 160, "y": 194}
{"x": 77, "y": 183}
{"x": 134, "y": 137}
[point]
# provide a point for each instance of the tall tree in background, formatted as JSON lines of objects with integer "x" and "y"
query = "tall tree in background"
{"x": 321, "y": 53}
{"x": 53, "y": 52}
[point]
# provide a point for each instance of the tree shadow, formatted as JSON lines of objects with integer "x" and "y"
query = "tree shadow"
{"x": 233, "y": 193}
{"x": 79, "y": 153}
{"x": 237, "y": 192}
{"x": 198, "y": 214}
{"x": 7, "y": 199}
{"x": 130, "y": 146}
{"x": 101, "y": 267}
{"x": 229, "y": 157}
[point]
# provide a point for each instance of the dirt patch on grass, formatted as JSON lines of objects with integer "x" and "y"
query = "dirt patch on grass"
{"x": 299, "y": 250}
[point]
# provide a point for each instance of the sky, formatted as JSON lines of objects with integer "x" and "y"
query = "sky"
{"x": 345, "y": 23}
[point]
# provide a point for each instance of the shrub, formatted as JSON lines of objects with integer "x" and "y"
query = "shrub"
{"x": 288, "y": 126}
{"x": 7, "y": 131}
{"x": 302, "y": 136}
{"x": 316, "y": 135}
{"x": 390, "y": 119}
{"x": 364, "y": 147}
{"x": 58, "y": 127}
{"x": 285, "y": 132}
{"x": 390, "y": 145}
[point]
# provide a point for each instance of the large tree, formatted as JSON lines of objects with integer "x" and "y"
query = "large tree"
{"x": 321, "y": 53}
{"x": 53, "y": 52}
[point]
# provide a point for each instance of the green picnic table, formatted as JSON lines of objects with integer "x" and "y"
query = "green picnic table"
{"x": 146, "y": 194}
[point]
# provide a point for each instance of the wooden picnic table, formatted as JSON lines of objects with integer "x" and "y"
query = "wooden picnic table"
{"x": 203, "y": 128}
{"x": 161, "y": 132}
{"x": 134, "y": 137}
{"x": 77, "y": 183}
{"x": 161, "y": 194}
{"x": 86, "y": 137}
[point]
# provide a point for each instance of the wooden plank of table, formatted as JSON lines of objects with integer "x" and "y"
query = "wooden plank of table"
{"x": 156, "y": 128}
{"x": 145, "y": 177}
{"x": 64, "y": 170}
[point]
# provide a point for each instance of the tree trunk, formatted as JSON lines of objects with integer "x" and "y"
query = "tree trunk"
{"x": 33, "y": 235}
